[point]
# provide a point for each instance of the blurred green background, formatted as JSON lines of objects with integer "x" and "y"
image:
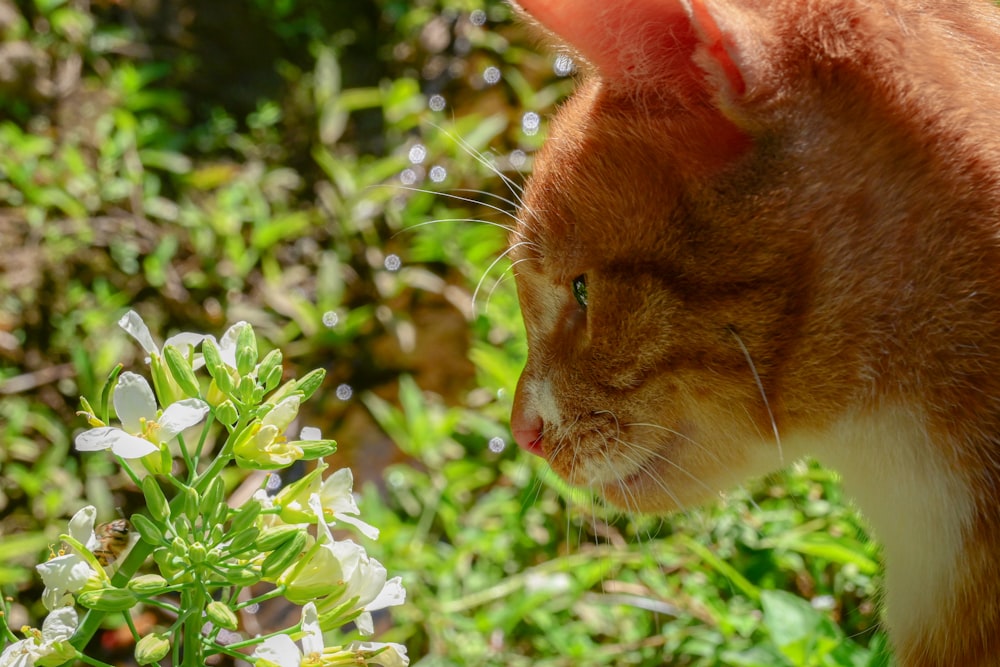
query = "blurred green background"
{"x": 278, "y": 161}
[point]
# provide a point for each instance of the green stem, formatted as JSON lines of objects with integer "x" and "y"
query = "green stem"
{"x": 186, "y": 456}
{"x": 204, "y": 435}
{"x": 277, "y": 592}
{"x": 258, "y": 640}
{"x": 193, "y": 603}
{"x": 91, "y": 661}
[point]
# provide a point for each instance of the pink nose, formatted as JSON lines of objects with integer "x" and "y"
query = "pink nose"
{"x": 527, "y": 430}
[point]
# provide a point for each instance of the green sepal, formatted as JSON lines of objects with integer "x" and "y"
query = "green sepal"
{"x": 213, "y": 359}
{"x": 279, "y": 559}
{"x": 316, "y": 449}
{"x": 245, "y": 516}
{"x": 152, "y": 648}
{"x": 157, "y": 503}
{"x": 246, "y": 350}
{"x": 147, "y": 584}
{"x": 243, "y": 540}
{"x": 243, "y": 576}
{"x": 308, "y": 384}
{"x": 212, "y": 499}
{"x": 149, "y": 531}
{"x": 107, "y": 599}
{"x": 221, "y": 615}
{"x": 274, "y": 537}
{"x": 180, "y": 369}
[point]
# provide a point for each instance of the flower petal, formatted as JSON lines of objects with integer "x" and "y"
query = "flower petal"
{"x": 68, "y": 572}
{"x": 60, "y": 625}
{"x": 366, "y": 529}
{"x": 134, "y": 400}
{"x": 134, "y": 326}
{"x": 392, "y": 594}
{"x": 81, "y": 526}
{"x": 365, "y": 624}
{"x": 95, "y": 439}
{"x": 312, "y": 639}
{"x": 280, "y": 651}
{"x": 183, "y": 341}
{"x": 18, "y": 654}
{"x": 393, "y": 655}
{"x": 129, "y": 446}
{"x": 227, "y": 344}
{"x": 181, "y": 415}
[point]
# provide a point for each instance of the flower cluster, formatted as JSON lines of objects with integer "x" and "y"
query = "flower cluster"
{"x": 205, "y": 552}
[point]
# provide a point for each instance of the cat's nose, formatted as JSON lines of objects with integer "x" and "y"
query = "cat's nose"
{"x": 527, "y": 430}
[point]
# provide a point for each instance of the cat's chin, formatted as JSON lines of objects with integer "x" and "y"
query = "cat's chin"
{"x": 644, "y": 492}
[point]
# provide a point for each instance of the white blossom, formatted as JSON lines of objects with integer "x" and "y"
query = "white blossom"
{"x": 142, "y": 429}
{"x": 50, "y": 643}
{"x": 69, "y": 573}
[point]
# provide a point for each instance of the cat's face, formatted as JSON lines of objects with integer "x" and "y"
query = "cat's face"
{"x": 637, "y": 299}
{"x": 660, "y": 282}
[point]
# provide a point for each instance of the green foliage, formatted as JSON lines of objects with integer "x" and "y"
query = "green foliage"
{"x": 136, "y": 171}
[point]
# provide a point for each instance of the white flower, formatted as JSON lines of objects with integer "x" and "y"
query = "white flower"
{"x": 336, "y": 496}
{"x": 359, "y": 577}
{"x": 388, "y": 655}
{"x": 70, "y": 572}
{"x": 142, "y": 431}
{"x": 281, "y": 651}
{"x": 132, "y": 323}
{"x": 58, "y": 627}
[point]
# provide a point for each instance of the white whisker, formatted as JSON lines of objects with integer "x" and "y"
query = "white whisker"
{"x": 763, "y": 394}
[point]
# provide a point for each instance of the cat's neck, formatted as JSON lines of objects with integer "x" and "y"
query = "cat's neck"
{"x": 933, "y": 527}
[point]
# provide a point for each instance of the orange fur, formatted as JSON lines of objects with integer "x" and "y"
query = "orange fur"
{"x": 789, "y": 226}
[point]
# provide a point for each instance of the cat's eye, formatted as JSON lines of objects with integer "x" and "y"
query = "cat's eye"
{"x": 580, "y": 290}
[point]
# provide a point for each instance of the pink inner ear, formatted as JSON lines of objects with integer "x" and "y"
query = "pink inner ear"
{"x": 639, "y": 41}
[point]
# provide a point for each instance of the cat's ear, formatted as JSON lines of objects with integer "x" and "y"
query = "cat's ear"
{"x": 694, "y": 44}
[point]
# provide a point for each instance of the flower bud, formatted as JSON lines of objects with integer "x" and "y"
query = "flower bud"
{"x": 190, "y": 502}
{"x": 221, "y": 615}
{"x": 308, "y": 384}
{"x": 243, "y": 576}
{"x": 213, "y": 359}
{"x": 157, "y": 503}
{"x": 147, "y": 584}
{"x": 245, "y": 515}
{"x": 316, "y": 449}
{"x": 107, "y": 599}
{"x": 179, "y": 548}
{"x": 243, "y": 540}
{"x": 274, "y": 537}
{"x": 180, "y": 369}
{"x": 266, "y": 370}
{"x": 197, "y": 553}
{"x": 167, "y": 389}
{"x": 246, "y": 389}
{"x": 149, "y": 532}
{"x": 279, "y": 559}
{"x": 213, "y": 498}
{"x": 246, "y": 350}
{"x": 227, "y": 413}
{"x": 152, "y": 648}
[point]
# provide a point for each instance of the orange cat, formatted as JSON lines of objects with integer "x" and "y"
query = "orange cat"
{"x": 763, "y": 230}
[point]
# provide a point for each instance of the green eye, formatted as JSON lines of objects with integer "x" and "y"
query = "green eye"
{"x": 580, "y": 290}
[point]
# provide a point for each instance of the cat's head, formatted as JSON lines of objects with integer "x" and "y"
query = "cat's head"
{"x": 666, "y": 252}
